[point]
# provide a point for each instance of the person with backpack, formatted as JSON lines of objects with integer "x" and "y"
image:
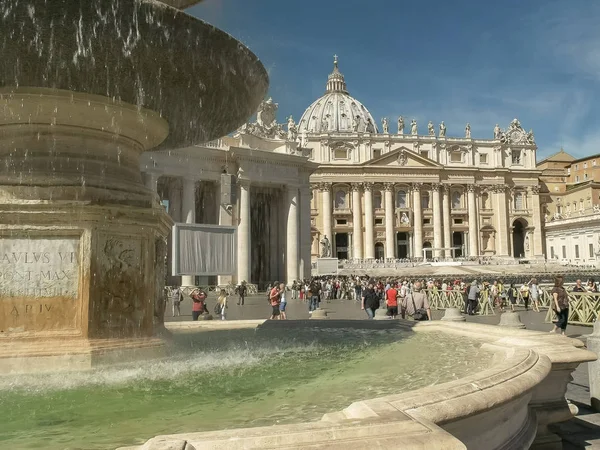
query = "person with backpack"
{"x": 313, "y": 296}
{"x": 221, "y": 304}
{"x": 370, "y": 300}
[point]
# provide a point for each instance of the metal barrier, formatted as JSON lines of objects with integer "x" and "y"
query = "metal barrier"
{"x": 251, "y": 289}
{"x": 584, "y": 308}
{"x": 455, "y": 299}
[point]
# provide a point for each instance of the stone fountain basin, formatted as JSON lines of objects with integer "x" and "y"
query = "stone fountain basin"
{"x": 507, "y": 406}
{"x": 201, "y": 80}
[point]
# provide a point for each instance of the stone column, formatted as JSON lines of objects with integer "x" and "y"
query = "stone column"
{"x": 418, "y": 221}
{"x": 188, "y": 211}
{"x": 357, "y": 233}
{"x": 292, "y": 235}
{"x": 225, "y": 217}
{"x": 437, "y": 220}
{"x": 538, "y": 241}
{"x": 243, "y": 233}
{"x": 369, "y": 230}
{"x": 501, "y": 220}
{"x": 305, "y": 232}
{"x": 327, "y": 211}
{"x": 151, "y": 181}
{"x": 390, "y": 231}
{"x": 447, "y": 220}
{"x": 473, "y": 231}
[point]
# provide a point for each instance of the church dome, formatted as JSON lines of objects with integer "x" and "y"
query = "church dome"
{"x": 337, "y": 111}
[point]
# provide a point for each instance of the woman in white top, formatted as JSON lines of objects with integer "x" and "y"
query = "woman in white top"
{"x": 222, "y": 302}
{"x": 534, "y": 294}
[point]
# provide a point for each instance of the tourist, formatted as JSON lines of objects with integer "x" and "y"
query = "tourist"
{"x": 534, "y": 293}
{"x": 560, "y": 305}
{"x": 176, "y": 298}
{"x": 221, "y": 304}
{"x": 416, "y": 302}
{"x": 198, "y": 303}
{"x": 525, "y": 295}
{"x": 274, "y": 296}
{"x": 370, "y": 300}
{"x": 513, "y": 295}
{"x": 242, "y": 289}
{"x": 314, "y": 291}
{"x": 392, "y": 300}
{"x": 472, "y": 298}
{"x": 578, "y": 287}
{"x": 282, "y": 301}
{"x": 591, "y": 286}
{"x": 501, "y": 295}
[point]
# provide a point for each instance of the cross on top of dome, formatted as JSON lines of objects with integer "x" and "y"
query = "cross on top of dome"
{"x": 335, "y": 81}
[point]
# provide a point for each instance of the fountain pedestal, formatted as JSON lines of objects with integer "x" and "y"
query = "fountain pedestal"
{"x": 82, "y": 241}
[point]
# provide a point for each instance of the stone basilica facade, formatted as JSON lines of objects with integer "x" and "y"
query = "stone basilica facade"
{"x": 404, "y": 194}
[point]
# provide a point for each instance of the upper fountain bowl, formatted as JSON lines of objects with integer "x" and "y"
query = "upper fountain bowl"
{"x": 181, "y": 4}
{"x": 201, "y": 80}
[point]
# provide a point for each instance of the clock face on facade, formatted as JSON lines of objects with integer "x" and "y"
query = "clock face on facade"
{"x": 516, "y": 136}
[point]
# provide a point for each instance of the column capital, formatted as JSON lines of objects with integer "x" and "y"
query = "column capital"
{"x": 355, "y": 187}
{"x": 322, "y": 186}
{"x": 368, "y": 186}
{"x": 471, "y": 188}
{"x": 389, "y": 187}
{"x": 499, "y": 188}
{"x": 435, "y": 187}
{"x": 416, "y": 186}
{"x": 535, "y": 190}
{"x": 446, "y": 188}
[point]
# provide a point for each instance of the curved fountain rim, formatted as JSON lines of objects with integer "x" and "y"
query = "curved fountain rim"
{"x": 525, "y": 365}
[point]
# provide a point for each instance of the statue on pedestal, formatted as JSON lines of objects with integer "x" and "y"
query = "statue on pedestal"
{"x": 325, "y": 248}
{"x": 430, "y": 129}
{"x": 400, "y": 125}
{"x": 370, "y": 128}
{"x": 442, "y": 129}
{"x": 355, "y": 123}
{"x": 292, "y": 130}
{"x": 385, "y": 125}
{"x": 497, "y": 132}
{"x": 413, "y": 127}
{"x": 468, "y": 131}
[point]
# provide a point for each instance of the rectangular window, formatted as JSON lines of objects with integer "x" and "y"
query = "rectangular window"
{"x": 576, "y": 166}
{"x": 483, "y": 158}
{"x": 569, "y": 171}
{"x": 456, "y": 157}
{"x": 340, "y": 153}
{"x": 376, "y": 153}
{"x": 577, "y": 252}
{"x": 577, "y": 179}
{"x": 585, "y": 165}
{"x": 564, "y": 249}
{"x": 458, "y": 221}
{"x": 585, "y": 176}
{"x": 425, "y": 153}
{"x": 342, "y": 222}
{"x": 552, "y": 252}
{"x": 516, "y": 156}
{"x": 426, "y": 221}
{"x": 591, "y": 250}
{"x": 519, "y": 201}
{"x": 378, "y": 221}
{"x": 593, "y": 162}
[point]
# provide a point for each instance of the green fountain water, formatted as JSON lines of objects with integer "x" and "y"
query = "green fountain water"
{"x": 218, "y": 380}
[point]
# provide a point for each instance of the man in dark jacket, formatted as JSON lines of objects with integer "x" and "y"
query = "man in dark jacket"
{"x": 370, "y": 300}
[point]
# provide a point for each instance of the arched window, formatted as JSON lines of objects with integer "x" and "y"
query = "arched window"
{"x": 377, "y": 200}
{"x": 425, "y": 200}
{"x": 401, "y": 199}
{"x": 340, "y": 200}
{"x": 456, "y": 199}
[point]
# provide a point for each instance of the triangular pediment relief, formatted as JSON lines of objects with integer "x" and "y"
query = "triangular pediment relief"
{"x": 402, "y": 157}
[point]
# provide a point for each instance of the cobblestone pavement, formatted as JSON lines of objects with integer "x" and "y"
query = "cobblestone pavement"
{"x": 582, "y": 432}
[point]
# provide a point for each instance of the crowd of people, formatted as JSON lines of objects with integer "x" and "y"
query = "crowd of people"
{"x": 405, "y": 298}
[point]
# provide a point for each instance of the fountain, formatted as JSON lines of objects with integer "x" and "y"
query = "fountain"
{"x": 85, "y": 88}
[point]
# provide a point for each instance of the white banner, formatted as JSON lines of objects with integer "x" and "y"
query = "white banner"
{"x": 204, "y": 250}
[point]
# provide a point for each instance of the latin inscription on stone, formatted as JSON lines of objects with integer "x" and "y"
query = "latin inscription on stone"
{"x": 39, "y": 267}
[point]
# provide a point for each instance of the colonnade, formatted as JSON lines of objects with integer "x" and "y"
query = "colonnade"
{"x": 441, "y": 212}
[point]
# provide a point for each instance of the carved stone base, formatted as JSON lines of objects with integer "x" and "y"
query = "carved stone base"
{"x": 85, "y": 278}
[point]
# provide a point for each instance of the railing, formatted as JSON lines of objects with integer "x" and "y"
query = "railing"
{"x": 584, "y": 308}
{"x": 251, "y": 289}
{"x": 455, "y": 299}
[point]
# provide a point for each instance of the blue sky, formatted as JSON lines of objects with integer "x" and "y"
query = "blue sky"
{"x": 483, "y": 62}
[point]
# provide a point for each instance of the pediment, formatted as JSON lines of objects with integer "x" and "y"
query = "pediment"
{"x": 402, "y": 157}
